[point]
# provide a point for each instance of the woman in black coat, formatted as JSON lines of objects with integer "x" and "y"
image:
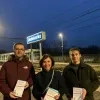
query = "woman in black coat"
{"x": 48, "y": 78}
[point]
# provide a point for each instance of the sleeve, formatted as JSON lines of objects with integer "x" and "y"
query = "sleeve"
{"x": 67, "y": 84}
{"x": 36, "y": 91}
{"x": 94, "y": 84}
{"x": 4, "y": 88}
{"x": 65, "y": 77}
{"x": 32, "y": 77}
{"x": 62, "y": 87}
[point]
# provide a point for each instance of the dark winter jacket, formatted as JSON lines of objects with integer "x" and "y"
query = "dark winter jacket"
{"x": 84, "y": 78}
{"x": 14, "y": 70}
{"x": 43, "y": 79}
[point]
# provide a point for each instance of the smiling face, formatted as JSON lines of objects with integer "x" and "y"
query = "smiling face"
{"x": 75, "y": 56}
{"x": 47, "y": 64}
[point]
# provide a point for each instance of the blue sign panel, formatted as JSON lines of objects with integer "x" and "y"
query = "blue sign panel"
{"x": 36, "y": 37}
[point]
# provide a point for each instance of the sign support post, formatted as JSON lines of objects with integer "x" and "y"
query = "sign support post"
{"x": 37, "y": 37}
{"x": 40, "y": 45}
{"x": 31, "y": 52}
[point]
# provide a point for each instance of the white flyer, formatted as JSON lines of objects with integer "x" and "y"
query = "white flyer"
{"x": 19, "y": 88}
{"x": 77, "y": 93}
{"x": 50, "y": 94}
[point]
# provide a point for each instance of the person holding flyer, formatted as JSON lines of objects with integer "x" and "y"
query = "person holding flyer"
{"x": 17, "y": 75}
{"x": 80, "y": 77}
{"x": 50, "y": 84}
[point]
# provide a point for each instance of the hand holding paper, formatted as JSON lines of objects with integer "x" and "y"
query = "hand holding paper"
{"x": 84, "y": 93}
{"x": 77, "y": 93}
{"x": 26, "y": 85}
{"x": 19, "y": 88}
{"x": 12, "y": 95}
{"x": 57, "y": 97}
{"x": 52, "y": 94}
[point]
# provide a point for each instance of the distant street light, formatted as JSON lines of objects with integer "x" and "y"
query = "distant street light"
{"x": 61, "y": 36}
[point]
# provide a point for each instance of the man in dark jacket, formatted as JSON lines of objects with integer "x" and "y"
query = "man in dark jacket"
{"x": 16, "y": 68}
{"x": 79, "y": 74}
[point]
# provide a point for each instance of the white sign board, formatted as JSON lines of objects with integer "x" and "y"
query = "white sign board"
{"x": 40, "y": 36}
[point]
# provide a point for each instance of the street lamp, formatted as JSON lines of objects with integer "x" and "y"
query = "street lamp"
{"x": 61, "y": 36}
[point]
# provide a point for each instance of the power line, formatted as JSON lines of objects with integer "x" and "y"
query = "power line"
{"x": 65, "y": 12}
{"x": 82, "y": 22}
{"x": 82, "y": 15}
{"x": 64, "y": 22}
{"x": 20, "y": 12}
{"x": 60, "y": 13}
{"x": 77, "y": 17}
{"x": 98, "y": 23}
{"x": 13, "y": 38}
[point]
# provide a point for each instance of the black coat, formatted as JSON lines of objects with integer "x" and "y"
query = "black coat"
{"x": 85, "y": 78}
{"x": 43, "y": 78}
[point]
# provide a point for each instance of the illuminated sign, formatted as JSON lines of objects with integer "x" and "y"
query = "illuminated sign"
{"x": 40, "y": 36}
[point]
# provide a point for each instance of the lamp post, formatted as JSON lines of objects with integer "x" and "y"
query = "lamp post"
{"x": 61, "y": 36}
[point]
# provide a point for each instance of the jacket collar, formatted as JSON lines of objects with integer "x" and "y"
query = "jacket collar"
{"x": 14, "y": 58}
{"x": 82, "y": 64}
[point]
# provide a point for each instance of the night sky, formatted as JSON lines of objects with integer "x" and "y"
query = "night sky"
{"x": 78, "y": 20}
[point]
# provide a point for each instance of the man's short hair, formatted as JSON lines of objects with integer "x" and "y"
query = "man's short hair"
{"x": 19, "y": 43}
{"x": 75, "y": 48}
{"x": 45, "y": 56}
